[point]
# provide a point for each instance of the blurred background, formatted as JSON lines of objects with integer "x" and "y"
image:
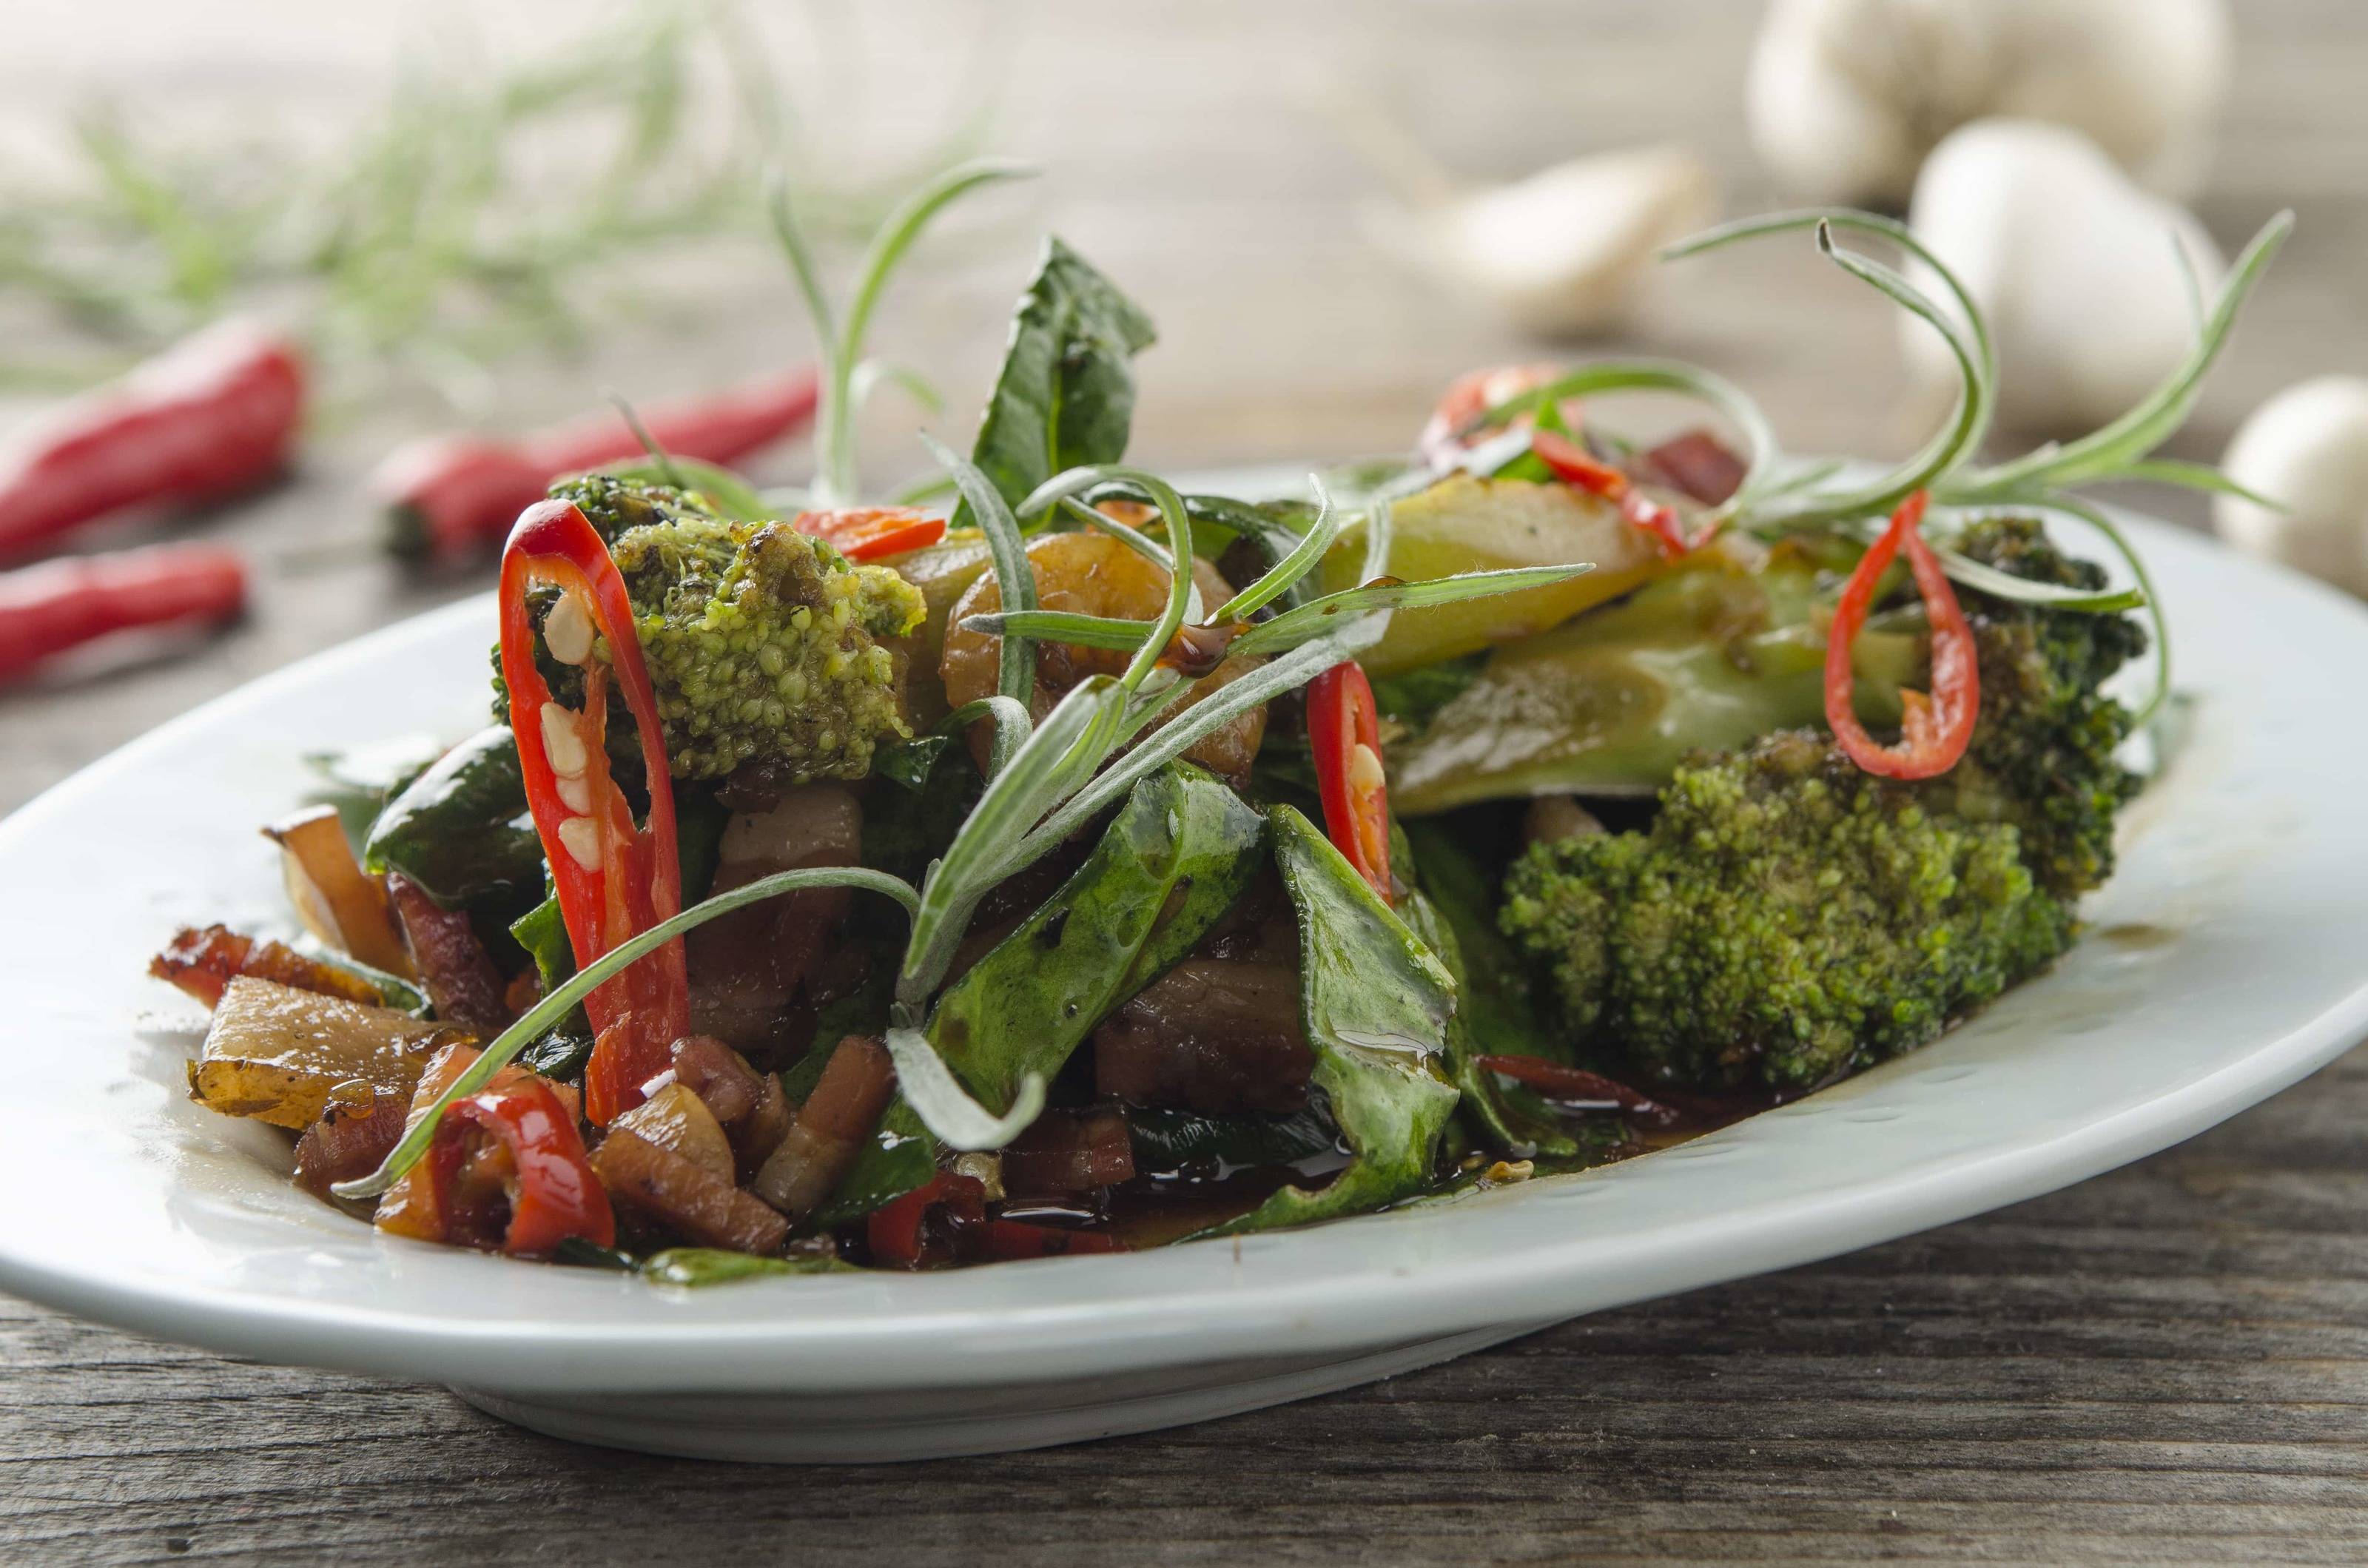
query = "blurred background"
{"x": 491, "y": 217}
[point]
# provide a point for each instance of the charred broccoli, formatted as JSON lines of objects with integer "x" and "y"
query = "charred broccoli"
{"x": 1786, "y": 917}
{"x": 764, "y": 646}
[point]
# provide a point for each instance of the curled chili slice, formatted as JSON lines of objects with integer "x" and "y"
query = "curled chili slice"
{"x": 867, "y": 533}
{"x": 1344, "y": 731}
{"x": 614, "y": 879}
{"x": 1456, "y": 423}
{"x": 1576, "y": 466}
{"x": 1935, "y": 730}
{"x": 553, "y": 1194}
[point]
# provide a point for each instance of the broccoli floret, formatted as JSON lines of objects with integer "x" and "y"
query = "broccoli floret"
{"x": 1787, "y": 917}
{"x": 764, "y": 646}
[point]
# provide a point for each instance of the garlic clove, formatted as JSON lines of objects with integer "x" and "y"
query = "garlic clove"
{"x": 1845, "y": 97}
{"x": 1563, "y": 250}
{"x": 2306, "y": 448}
{"x": 2071, "y": 265}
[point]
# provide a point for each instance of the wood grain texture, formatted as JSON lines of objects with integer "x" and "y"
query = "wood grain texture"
{"x": 2169, "y": 1363}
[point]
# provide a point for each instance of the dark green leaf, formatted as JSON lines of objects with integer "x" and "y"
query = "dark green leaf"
{"x": 1066, "y": 395}
{"x": 1169, "y": 1142}
{"x": 361, "y": 780}
{"x": 1375, "y": 1003}
{"x": 1173, "y": 860}
{"x": 461, "y": 830}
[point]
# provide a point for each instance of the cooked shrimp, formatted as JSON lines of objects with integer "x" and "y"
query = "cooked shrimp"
{"x": 1092, "y": 574}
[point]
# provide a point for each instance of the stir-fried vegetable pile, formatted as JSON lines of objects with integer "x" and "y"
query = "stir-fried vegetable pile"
{"x": 1053, "y": 862}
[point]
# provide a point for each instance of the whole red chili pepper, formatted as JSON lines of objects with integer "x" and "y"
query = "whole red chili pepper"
{"x": 1574, "y": 465}
{"x": 867, "y": 533}
{"x": 213, "y": 416}
{"x": 614, "y": 881}
{"x": 449, "y": 496}
{"x": 555, "y": 1194}
{"x": 1344, "y": 731}
{"x": 59, "y": 605}
{"x": 1936, "y": 730}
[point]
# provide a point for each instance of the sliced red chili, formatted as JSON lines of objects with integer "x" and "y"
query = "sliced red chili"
{"x": 1344, "y": 731}
{"x": 1935, "y": 730}
{"x": 1576, "y": 466}
{"x": 555, "y": 1194}
{"x": 900, "y": 1231}
{"x": 1454, "y": 424}
{"x": 867, "y": 533}
{"x": 614, "y": 879}
{"x": 1577, "y": 1085}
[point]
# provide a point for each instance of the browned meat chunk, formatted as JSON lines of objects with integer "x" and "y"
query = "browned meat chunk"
{"x": 1211, "y": 1035}
{"x": 686, "y": 1199}
{"x": 461, "y": 981}
{"x": 348, "y": 1142}
{"x": 747, "y": 966}
{"x": 1070, "y": 1151}
{"x": 203, "y": 962}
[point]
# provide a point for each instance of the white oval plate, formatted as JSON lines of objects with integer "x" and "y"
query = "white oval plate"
{"x": 2228, "y": 958}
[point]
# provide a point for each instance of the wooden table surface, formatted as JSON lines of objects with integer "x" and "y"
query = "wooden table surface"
{"x": 2167, "y": 1363}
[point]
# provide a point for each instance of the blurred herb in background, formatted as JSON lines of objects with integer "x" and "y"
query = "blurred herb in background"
{"x": 474, "y": 212}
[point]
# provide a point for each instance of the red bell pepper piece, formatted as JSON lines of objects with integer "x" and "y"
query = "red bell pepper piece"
{"x": 1936, "y": 730}
{"x": 46, "y": 609}
{"x": 1575, "y": 466}
{"x": 1344, "y": 731}
{"x": 867, "y": 533}
{"x": 614, "y": 881}
{"x": 448, "y": 496}
{"x": 216, "y": 416}
{"x": 899, "y": 1230}
{"x": 554, "y": 1194}
{"x": 901, "y": 1238}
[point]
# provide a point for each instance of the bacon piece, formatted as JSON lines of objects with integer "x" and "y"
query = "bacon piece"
{"x": 1211, "y": 1035}
{"x": 461, "y": 980}
{"x": 204, "y": 962}
{"x": 348, "y": 1142}
{"x": 670, "y": 1189}
{"x": 1070, "y": 1151}
{"x": 830, "y": 1129}
{"x": 1698, "y": 464}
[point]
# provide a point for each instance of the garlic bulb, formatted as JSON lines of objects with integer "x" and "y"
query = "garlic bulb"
{"x": 1845, "y": 97}
{"x": 1562, "y": 250}
{"x": 2071, "y": 265}
{"x": 2308, "y": 448}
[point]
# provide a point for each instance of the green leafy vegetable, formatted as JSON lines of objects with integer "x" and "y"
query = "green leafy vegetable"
{"x": 1185, "y": 1142}
{"x": 695, "y": 1267}
{"x": 1175, "y": 857}
{"x": 1065, "y": 397}
{"x": 461, "y": 830}
{"x": 1375, "y": 1003}
{"x": 361, "y": 780}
